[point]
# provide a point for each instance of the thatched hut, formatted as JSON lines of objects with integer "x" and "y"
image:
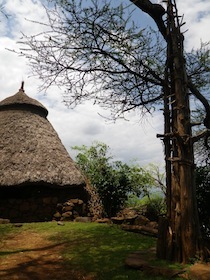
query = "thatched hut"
{"x": 36, "y": 172}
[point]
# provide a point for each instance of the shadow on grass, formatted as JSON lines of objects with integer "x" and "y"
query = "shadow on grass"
{"x": 39, "y": 268}
{"x": 89, "y": 251}
{"x": 102, "y": 250}
{"x": 11, "y": 252}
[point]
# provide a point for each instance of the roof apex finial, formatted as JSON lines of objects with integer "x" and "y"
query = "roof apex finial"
{"x": 22, "y": 86}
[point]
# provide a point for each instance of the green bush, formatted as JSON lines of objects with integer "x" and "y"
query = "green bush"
{"x": 155, "y": 208}
{"x": 113, "y": 180}
{"x": 152, "y": 206}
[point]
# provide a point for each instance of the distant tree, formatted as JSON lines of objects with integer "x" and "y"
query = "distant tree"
{"x": 97, "y": 53}
{"x": 158, "y": 176}
{"x": 113, "y": 180}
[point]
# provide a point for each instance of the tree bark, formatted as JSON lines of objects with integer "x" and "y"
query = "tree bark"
{"x": 183, "y": 221}
{"x": 179, "y": 236}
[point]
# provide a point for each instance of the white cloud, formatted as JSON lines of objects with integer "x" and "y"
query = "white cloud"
{"x": 21, "y": 13}
{"x": 83, "y": 125}
{"x": 197, "y": 17}
{"x": 128, "y": 140}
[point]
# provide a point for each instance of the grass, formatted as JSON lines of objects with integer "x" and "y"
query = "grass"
{"x": 97, "y": 249}
{"x": 5, "y": 230}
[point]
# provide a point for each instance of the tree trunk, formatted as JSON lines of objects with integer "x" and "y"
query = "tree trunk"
{"x": 183, "y": 231}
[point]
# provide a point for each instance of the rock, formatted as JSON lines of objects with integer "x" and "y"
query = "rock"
{"x": 130, "y": 219}
{"x": 80, "y": 202}
{"x": 153, "y": 225}
{"x": 117, "y": 220}
{"x": 59, "y": 206}
{"x": 57, "y": 215}
{"x": 4, "y": 221}
{"x": 67, "y": 208}
{"x": 83, "y": 219}
{"x": 68, "y": 203}
{"x": 141, "y": 220}
{"x": 103, "y": 221}
{"x": 128, "y": 212}
{"x": 74, "y": 200}
{"x": 60, "y": 223}
{"x": 67, "y": 214}
{"x": 75, "y": 214}
{"x": 17, "y": 225}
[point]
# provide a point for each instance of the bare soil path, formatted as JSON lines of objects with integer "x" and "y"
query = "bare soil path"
{"x": 31, "y": 256}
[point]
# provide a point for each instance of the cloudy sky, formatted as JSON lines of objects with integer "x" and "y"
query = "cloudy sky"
{"x": 128, "y": 140}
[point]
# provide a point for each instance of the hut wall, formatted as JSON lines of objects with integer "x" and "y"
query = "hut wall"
{"x": 38, "y": 203}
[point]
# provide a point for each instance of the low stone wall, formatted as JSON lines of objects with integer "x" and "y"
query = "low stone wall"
{"x": 29, "y": 209}
{"x": 70, "y": 210}
{"x": 41, "y": 202}
{"x": 38, "y": 204}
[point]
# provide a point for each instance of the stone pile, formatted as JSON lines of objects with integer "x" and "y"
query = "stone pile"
{"x": 70, "y": 210}
{"x": 4, "y": 221}
{"x": 131, "y": 220}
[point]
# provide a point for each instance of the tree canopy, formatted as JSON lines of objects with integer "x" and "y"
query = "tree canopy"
{"x": 95, "y": 51}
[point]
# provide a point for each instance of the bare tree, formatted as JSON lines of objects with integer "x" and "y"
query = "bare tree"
{"x": 97, "y": 53}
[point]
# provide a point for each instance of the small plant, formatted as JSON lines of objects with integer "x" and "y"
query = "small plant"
{"x": 155, "y": 208}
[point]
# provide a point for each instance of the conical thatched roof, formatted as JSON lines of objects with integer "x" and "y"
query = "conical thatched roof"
{"x": 30, "y": 149}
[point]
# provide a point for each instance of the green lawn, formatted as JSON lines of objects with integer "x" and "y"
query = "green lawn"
{"x": 99, "y": 249}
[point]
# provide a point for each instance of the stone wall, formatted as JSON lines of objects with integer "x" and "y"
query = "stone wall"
{"x": 70, "y": 210}
{"x": 39, "y": 203}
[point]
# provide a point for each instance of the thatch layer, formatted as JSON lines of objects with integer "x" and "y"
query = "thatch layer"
{"x": 30, "y": 149}
{"x": 22, "y": 101}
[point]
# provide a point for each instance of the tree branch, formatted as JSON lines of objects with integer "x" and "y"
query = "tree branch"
{"x": 203, "y": 100}
{"x": 156, "y": 11}
{"x": 202, "y": 134}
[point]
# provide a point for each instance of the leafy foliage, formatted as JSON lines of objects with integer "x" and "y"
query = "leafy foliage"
{"x": 198, "y": 66}
{"x": 156, "y": 206}
{"x": 96, "y": 52}
{"x": 113, "y": 180}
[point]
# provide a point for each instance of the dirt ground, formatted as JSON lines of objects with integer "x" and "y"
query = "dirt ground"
{"x": 34, "y": 257}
